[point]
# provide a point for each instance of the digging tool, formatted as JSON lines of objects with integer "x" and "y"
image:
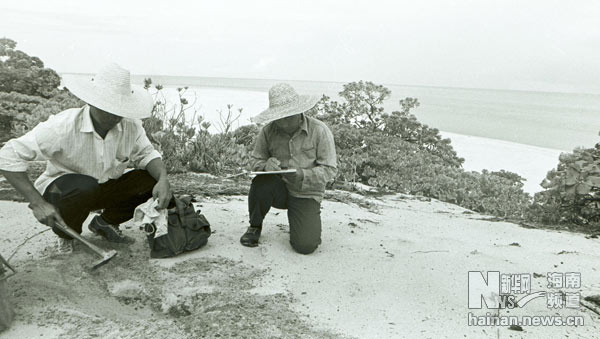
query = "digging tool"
{"x": 6, "y": 311}
{"x": 106, "y": 255}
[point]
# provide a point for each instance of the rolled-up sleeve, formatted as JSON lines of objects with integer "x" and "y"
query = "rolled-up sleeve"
{"x": 35, "y": 145}
{"x": 260, "y": 154}
{"x": 326, "y": 163}
{"x": 143, "y": 152}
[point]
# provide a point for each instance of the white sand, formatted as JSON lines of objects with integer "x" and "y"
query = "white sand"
{"x": 530, "y": 162}
{"x": 398, "y": 273}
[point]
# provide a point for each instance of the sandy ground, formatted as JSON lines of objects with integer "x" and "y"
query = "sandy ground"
{"x": 530, "y": 162}
{"x": 395, "y": 270}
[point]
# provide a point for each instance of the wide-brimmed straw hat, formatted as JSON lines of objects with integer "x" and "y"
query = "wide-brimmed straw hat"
{"x": 285, "y": 102}
{"x": 111, "y": 91}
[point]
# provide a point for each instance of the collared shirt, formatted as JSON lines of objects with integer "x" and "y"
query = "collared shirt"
{"x": 311, "y": 149}
{"x": 68, "y": 143}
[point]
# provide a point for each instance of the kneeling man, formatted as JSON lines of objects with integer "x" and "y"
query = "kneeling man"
{"x": 291, "y": 140}
{"x": 86, "y": 151}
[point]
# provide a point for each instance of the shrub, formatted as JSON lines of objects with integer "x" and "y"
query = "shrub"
{"x": 246, "y": 135}
{"x": 187, "y": 145}
{"x": 28, "y": 92}
{"x": 572, "y": 191}
{"x": 397, "y": 153}
{"x": 405, "y": 125}
{"x": 363, "y": 111}
{"x": 58, "y": 103}
{"x": 24, "y": 74}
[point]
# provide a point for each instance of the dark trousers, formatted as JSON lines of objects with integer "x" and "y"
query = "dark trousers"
{"x": 76, "y": 195}
{"x": 304, "y": 215}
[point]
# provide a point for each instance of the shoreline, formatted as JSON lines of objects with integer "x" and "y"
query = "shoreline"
{"x": 545, "y": 119}
{"x": 530, "y": 162}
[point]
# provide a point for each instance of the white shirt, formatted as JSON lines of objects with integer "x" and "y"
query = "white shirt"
{"x": 69, "y": 144}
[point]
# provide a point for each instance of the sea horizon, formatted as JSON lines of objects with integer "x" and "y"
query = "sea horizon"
{"x": 141, "y": 77}
{"x": 552, "y": 120}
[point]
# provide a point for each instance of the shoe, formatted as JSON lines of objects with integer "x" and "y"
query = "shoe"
{"x": 250, "y": 238}
{"x": 64, "y": 246}
{"x": 109, "y": 232}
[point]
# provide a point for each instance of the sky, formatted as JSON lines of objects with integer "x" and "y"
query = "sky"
{"x": 518, "y": 45}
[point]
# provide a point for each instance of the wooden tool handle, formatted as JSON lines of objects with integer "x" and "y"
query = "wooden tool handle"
{"x": 77, "y": 236}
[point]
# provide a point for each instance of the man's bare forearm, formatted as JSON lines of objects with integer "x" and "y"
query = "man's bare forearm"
{"x": 23, "y": 185}
{"x": 162, "y": 189}
{"x": 157, "y": 169}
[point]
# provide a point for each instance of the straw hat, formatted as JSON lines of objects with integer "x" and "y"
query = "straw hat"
{"x": 111, "y": 91}
{"x": 285, "y": 102}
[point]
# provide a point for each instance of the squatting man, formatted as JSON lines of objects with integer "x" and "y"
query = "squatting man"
{"x": 87, "y": 150}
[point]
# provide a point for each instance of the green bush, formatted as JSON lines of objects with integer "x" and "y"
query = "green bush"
{"x": 246, "y": 135}
{"x": 20, "y": 113}
{"x": 572, "y": 191}
{"x": 395, "y": 152}
{"x": 24, "y": 74}
{"x": 363, "y": 111}
{"x": 14, "y": 108}
{"x": 28, "y": 92}
{"x": 187, "y": 145}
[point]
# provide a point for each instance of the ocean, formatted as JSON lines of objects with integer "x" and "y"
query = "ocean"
{"x": 559, "y": 121}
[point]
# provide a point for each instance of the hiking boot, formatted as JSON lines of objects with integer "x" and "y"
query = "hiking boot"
{"x": 250, "y": 238}
{"x": 109, "y": 232}
{"x": 64, "y": 246}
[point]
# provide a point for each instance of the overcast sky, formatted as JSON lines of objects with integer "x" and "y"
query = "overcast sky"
{"x": 528, "y": 45}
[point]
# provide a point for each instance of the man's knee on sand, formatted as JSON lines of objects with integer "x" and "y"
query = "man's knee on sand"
{"x": 305, "y": 242}
{"x": 305, "y": 247}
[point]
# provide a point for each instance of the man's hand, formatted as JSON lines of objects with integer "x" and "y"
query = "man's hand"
{"x": 162, "y": 189}
{"x": 43, "y": 211}
{"x": 162, "y": 192}
{"x": 272, "y": 164}
{"x": 46, "y": 213}
{"x": 293, "y": 178}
